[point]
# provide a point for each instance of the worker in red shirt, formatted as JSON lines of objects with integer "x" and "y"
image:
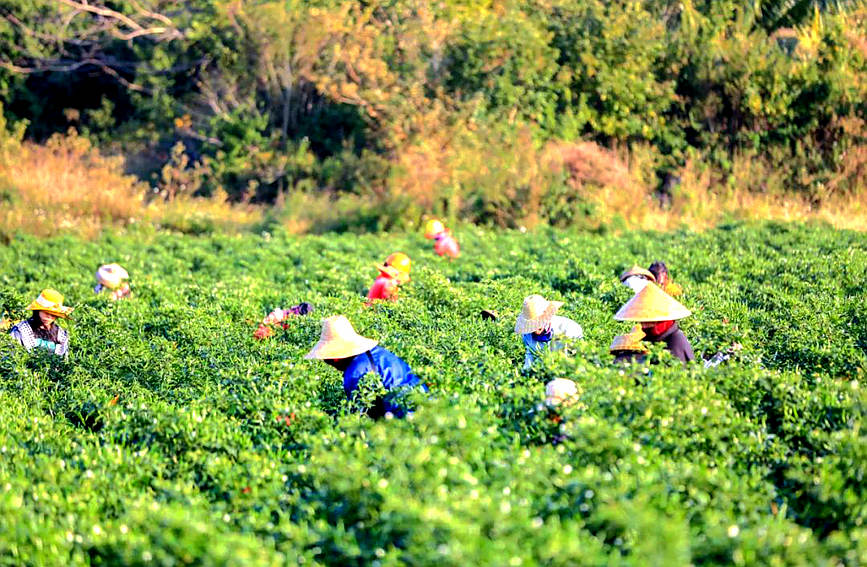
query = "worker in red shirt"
{"x": 393, "y": 273}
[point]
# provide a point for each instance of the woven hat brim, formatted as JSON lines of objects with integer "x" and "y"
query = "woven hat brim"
{"x": 524, "y": 325}
{"x": 638, "y": 271}
{"x": 62, "y": 312}
{"x": 651, "y": 305}
{"x": 390, "y": 271}
{"x": 340, "y": 348}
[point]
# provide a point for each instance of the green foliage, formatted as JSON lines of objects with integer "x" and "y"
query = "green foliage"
{"x": 171, "y": 436}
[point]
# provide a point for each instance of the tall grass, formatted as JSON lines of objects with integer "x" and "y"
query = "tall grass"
{"x": 67, "y": 185}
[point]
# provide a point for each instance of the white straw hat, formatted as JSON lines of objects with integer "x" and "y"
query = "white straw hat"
{"x": 560, "y": 390}
{"x": 535, "y": 314}
{"x": 339, "y": 340}
{"x": 111, "y": 275}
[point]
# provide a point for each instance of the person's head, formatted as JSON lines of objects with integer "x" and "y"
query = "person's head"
{"x": 397, "y": 266}
{"x": 339, "y": 343}
{"x": 660, "y": 272}
{"x": 111, "y": 276}
{"x": 49, "y": 306}
{"x": 433, "y": 227}
{"x": 536, "y": 315}
{"x": 45, "y": 318}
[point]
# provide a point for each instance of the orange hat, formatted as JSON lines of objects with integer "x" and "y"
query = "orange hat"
{"x": 651, "y": 304}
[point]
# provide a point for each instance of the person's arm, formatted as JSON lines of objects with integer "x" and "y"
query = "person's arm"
{"x": 681, "y": 348}
{"x": 62, "y": 348}
{"x": 568, "y": 329}
{"x": 16, "y": 334}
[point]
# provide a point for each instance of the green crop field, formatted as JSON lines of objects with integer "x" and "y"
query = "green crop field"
{"x": 223, "y": 450}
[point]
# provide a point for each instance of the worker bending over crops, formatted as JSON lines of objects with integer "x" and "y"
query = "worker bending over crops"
{"x": 444, "y": 243}
{"x": 393, "y": 273}
{"x": 636, "y": 277}
{"x": 628, "y": 348}
{"x": 540, "y": 327}
{"x": 663, "y": 280}
{"x": 112, "y": 278}
{"x": 341, "y": 347}
{"x": 40, "y": 330}
{"x": 658, "y": 313}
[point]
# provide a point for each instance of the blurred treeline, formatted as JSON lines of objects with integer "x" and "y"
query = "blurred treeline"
{"x": 495, "y": 111}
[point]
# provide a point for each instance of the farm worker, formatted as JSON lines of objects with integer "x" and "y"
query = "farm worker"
{"x": 539, "y": 327}
{"x": 658, "y": 313}
{"x": 636, "y": 277}
{"x": 40, "y": 330}
{"x": 341, "y": 347}
{"x": 113, "y": 278}
{"x": 663, "y": 280}
{"x": 280, "y": 317}
{"x": 560, "y": 391}
{"x": 444, "y": 243}
{"x": 394, "y": 272}
{"x": 628, "y": 347}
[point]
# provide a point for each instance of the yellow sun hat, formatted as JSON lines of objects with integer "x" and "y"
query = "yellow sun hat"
{"x": 638, "y": 271}
{"x": 559, "y": 391}
{"x": 651, "y": 304}
{"x": 433, "y": 227}
{"x": 339, "y": 340}
{"x": 111, "y": 275}
{"x": 50, "y": 301}
{"x": 535, "y": 314}
{"x": 397, "y": 265}
{"x": 629, "y": 342}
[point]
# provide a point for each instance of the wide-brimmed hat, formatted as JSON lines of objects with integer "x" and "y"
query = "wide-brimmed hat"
{"x": 560, "y": 390}
{"x": 111, "y": 275}
{"x": 339, "y": 340}
{"x": 629, "y": 342}
{"x": 397, "y": 266}
{"x": 535, "y": 314}
{"x": 51, "y": 301}
{"x": 651, "y": 304}
{"x": 637, "y": 271}
{"x": 433, "y": 227}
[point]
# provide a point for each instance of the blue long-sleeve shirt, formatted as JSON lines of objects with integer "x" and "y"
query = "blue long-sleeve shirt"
{"x": 394, "y": 372}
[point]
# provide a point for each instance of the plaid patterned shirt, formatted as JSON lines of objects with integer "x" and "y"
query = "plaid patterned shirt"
{"x": 24, "y": 335}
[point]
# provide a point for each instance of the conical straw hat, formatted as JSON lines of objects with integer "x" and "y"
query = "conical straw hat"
{"x": 629, "y": 342}
{"x": 651, "y": 304}
{"x": 535, "y": 314}
{"x": 50, "y": 301}
{"x": 111, "y": 275}
{"x": 638, "y": 271}
{"x": 339, "y": 340}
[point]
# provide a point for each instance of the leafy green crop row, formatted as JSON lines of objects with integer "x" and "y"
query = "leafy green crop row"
{"x": 222, "y": 449}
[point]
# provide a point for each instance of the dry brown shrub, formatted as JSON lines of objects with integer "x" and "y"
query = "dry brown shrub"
{"x": 67, "y": 184}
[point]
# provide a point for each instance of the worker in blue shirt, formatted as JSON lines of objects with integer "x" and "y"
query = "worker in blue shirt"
{"x": 341, "y": 347}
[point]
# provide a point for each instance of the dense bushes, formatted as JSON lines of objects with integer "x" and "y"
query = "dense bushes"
{"x": 399, "y": 102}
{"x": 171, "y": 436}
